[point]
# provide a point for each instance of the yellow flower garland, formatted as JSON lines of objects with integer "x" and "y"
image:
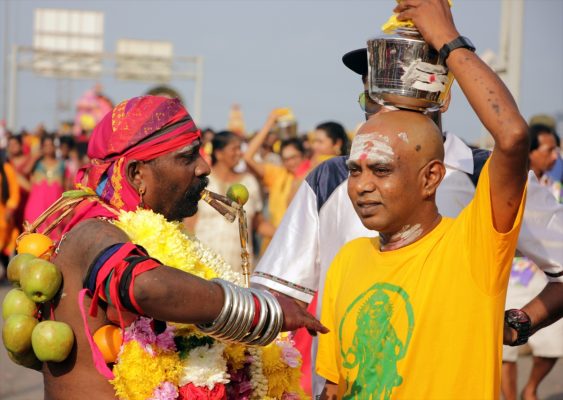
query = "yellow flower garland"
{"x": 165, "y": 241}
{"x": 138, "y": 373}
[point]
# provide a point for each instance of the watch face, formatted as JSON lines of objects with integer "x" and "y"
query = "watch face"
{"x": 518, "y": 316}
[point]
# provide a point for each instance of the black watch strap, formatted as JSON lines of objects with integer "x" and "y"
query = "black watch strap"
{"x": 521, "y": 323}
{"x": 459, "y": 42}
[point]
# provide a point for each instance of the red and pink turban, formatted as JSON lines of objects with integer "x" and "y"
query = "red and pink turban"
{"x": 142, "y": 128}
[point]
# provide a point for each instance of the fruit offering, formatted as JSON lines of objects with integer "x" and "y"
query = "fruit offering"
{"x": 28, "y": 341}
{"x": 16, "y": 265}
{"x": 52, "y": 341}
{"x": 108, "y": 338}
{"x": 36, "y": 244}
{"x": 17, "y": 332}
{"x": 16, "y": 302}
{"x": 40, "y": 280}
{"x": 238, "y": 193}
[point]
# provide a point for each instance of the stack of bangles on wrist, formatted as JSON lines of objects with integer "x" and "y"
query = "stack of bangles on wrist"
{"x": 248, "y": 316}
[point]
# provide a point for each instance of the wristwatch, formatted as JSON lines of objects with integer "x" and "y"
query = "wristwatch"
{"x": 520, "y": 322}
{"x": 459, "y": 42}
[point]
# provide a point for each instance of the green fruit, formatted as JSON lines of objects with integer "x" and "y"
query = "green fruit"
{"x": 40, "y": 280}
{"x": 17, "y": 332}
{"x": 238, "y": 193}
{"x": 16, "y": 266}
{"x": 26, "y": 359}
{"x": 16, "y": 302}
{"x": 52, "y": 341}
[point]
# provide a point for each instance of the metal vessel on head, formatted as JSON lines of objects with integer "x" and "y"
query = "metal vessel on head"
{"x": 406, "y": 72}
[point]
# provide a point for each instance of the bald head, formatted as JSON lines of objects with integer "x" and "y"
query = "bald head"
{"x": 403, "y": 133}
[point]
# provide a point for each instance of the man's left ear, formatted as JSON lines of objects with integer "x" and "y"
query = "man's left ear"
{"x": 135, "y": 173}
{"x": 433, "y": 173}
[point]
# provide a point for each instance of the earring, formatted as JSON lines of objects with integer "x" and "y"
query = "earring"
{"x": 142, "y": 191}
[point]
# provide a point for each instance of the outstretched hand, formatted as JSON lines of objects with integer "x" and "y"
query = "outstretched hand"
{"x": 432, "y": 18}
{"x": 295, "y": 316}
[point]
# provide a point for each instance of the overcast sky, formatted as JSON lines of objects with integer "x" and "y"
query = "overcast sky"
{"x": 266, "y": 54}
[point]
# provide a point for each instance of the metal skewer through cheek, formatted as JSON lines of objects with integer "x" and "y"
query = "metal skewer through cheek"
{"x": 221, "y": 207}
{"x": 231, "y": 210}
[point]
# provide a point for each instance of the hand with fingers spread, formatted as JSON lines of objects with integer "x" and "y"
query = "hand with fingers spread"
{"x": 432, "y": 18}
{"x": 295, "y": 316}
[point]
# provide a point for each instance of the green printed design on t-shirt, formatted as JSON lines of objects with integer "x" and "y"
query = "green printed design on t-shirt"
{"x": 376, "y": 348}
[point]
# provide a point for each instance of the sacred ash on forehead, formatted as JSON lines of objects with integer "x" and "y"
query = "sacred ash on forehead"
{"x": 372, "y": 147}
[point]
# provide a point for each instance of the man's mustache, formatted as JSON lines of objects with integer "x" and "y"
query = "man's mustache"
{"x": 195, "y": 190}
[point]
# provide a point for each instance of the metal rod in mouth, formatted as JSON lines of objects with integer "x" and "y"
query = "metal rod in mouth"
{"x": 210, "y": 198}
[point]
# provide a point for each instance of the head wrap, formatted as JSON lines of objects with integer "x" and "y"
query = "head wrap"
{"x": 142, "y": 129}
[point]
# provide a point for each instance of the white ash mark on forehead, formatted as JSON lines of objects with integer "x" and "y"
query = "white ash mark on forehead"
{"x": 372, "y": 147}
{"x": 403, "y": 136}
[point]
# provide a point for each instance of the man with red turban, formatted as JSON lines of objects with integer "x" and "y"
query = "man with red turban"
{"x": 145, "y": 153}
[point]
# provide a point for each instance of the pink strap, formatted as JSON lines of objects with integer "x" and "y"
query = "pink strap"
{"x": 97, "y": 357}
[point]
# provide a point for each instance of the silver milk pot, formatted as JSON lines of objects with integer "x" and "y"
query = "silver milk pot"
{"x": 406, "y": 72}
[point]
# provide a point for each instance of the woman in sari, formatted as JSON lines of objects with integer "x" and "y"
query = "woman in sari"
{"x": 47, "y": 182}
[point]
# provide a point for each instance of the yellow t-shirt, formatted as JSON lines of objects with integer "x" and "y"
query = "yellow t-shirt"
{"x": 424, "y": 321}
{"x": 279, "y": 182}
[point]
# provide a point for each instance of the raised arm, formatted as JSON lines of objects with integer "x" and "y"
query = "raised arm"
{"x": 256, "y": 142}
{"x": 491, "y": 101}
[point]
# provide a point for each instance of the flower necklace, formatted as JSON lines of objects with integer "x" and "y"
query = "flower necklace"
{"x": 181, "y": 363}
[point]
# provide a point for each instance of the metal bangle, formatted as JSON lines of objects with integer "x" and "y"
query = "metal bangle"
{"x": 220, "y": 325}
{"x": 220, "y": 333}
{"x": 277, "y": 318}
{"x": 263, "y": 317}
{"x": 247, "y": 318}
{"x": 279, "y": 315}
{"x": 225, "y": 311}
{"x": 231, "y": 325}
{"x": 273, "y": 328}
{"x": 240, "y": 319}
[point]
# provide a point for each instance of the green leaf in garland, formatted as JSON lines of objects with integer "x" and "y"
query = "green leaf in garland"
{"x": 186, "y": 343}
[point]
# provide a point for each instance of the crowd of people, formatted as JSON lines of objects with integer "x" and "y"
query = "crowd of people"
{"x": 39, "y": 166}
{"x": 401, "y": 238}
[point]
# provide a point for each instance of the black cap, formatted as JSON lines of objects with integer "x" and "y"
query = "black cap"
{"x": 357, "y": 61}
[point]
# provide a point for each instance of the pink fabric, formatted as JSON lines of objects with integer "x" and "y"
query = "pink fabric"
{"x": 303, "y": 343}
{"x": 41, "y": 196}
{"x": 97, "y": 356}
{"x": 47, "y": 187}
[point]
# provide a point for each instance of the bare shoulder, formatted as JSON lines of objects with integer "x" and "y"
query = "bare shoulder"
{"x": 87, "y": 240}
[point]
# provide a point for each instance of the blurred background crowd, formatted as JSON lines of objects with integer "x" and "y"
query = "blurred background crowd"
{"x": 39, "y": 165}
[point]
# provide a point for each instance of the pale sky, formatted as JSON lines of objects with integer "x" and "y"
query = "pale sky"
{"x": 266, "y": 54}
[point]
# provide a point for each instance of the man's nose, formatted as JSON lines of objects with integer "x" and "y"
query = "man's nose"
{"x": 365, "y": 183}
{"x": 202, "y": 168}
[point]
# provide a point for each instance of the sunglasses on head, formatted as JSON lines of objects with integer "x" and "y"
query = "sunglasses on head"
{"x": 367, "y": 104}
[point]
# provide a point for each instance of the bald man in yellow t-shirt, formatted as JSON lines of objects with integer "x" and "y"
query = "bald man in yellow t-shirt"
{"x": 418, "y": 312}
